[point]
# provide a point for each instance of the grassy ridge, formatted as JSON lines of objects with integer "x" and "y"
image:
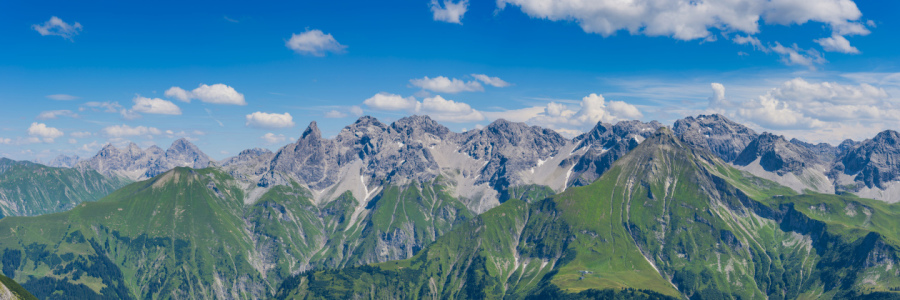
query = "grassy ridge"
{"x": 29, "y": 189}
{"x": 665, "y": 218}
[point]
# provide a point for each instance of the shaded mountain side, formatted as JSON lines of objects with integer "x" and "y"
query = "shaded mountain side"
{"x": 663, "y": 217}
{"x": 29, "y": 189}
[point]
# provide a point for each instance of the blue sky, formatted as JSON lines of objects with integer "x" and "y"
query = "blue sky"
{"x": 75, "y": 76}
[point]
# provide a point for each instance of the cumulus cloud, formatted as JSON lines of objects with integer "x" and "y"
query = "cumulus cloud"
{"x": 269, "y": 120}
{"x": 437, "y": 107}
{"x": 44, "y": 132}
{"x": 701, "y": 20}
{"x": 837, "y": 43}
{"x": 6, "y": 141}
{"x": 449, "y": 12}
{"x": 571, "y": 120}
{"x": 691, "y": 20}
{"x": 448, "y": 110}
{"x": 62, "y": 97}
{"x": 216, "y": 94}
{"x": 119, "y": 131}
{"x": 155, "y": 106}
{"x": 55, "y": 114}
{"x": 594, "y": 108}
{"x": 314, "y": 42}
{"x": 56, "y": 26}
{"x": 356, "y": 110}
{"x": 390, "y": 102}
{"x": 492, "y": 81}
{"x": 800, "y": 104}
{"x": 179, "y": 93}
{"x": 271, "y": 138}
{"x": 443, "y": 84}
{"x": 718, "y": 97}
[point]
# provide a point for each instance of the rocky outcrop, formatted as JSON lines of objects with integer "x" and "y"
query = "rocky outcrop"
{"x": 874, "y": 163}
{"x": 775, "y": 154}
{"x": 135, "y": 163}
{"x": 716, "y": 133}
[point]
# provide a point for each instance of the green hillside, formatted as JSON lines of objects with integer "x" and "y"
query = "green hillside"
{"x": 188, "y": 234}
{"x": 664, "y": 221}
{"x": 30, "y": 189}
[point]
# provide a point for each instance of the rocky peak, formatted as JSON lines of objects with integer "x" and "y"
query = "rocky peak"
{"x": 716, "y": 133}
{"x": 874, "y": 162}
{"x": 64, "y": 161}
{"x": 776, "y": 154}
{"x": 824, "y": 152}
{"x": 414, "y": 126}
{"x": 311, "y": 132}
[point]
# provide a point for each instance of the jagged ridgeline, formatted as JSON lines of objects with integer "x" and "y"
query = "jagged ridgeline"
{"x": 29, "y": 189}
{"x": 414, "y": 210}
{"x": 665, "y": 221}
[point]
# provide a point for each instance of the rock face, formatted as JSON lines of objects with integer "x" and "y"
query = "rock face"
{"x": 605, "y": 144}
{"x": 775, "y": 154}
{"x": 874, "y": 163}
{"x": 135, "y": 163}
{"x": 721, "y": 136}
{"x": 64, "y": 161}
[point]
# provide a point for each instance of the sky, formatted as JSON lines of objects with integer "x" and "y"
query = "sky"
{"x": 233, "y": 75}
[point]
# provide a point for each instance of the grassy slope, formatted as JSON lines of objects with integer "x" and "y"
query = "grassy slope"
{"x": 35, "y": 189}
{"x": 187, "y": 233}
{"x": 664, "y": 215}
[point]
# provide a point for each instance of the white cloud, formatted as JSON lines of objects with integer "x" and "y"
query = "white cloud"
{"x": 179, "y": 93}
{"x": 155, "y": 106}
{"x": 118, "y": 131}
{"x": 334, "y": 114}
{"x": 750, "y": 40}
{"x": 73, "y": 141}
{"x": 216, "y": 94}
{"x": 792, "y": 56}
{"x": 314, "y": 42}
{"x": 801, "y": 105}
{"x": 356, "y": 110}
{"x": 837, "y": 43}
{"x": 390, "y": 102}
{"x": 56, "y": 26}
{"x": 54, "y": 114}
{"x": 570, "y": 120}
{"x": 690, "y": 20}
{"x": 62, "y": 97}
{"x": 269, "y": 120}
{"x": 443, "y": 84}
{"x": 448, "y": 110}
{"x": 492, "y": 81}
{"x": 271, "y": 138}
{"x": 450, "y": 12}
{"x": 437, "y": 107}
{"x": 41, "y": 130}
{"x": 81, "y": 134}
{"x": 5, "y": 141}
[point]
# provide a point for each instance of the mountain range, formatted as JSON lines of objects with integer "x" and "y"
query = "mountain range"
{"x": 706, "y": 209}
